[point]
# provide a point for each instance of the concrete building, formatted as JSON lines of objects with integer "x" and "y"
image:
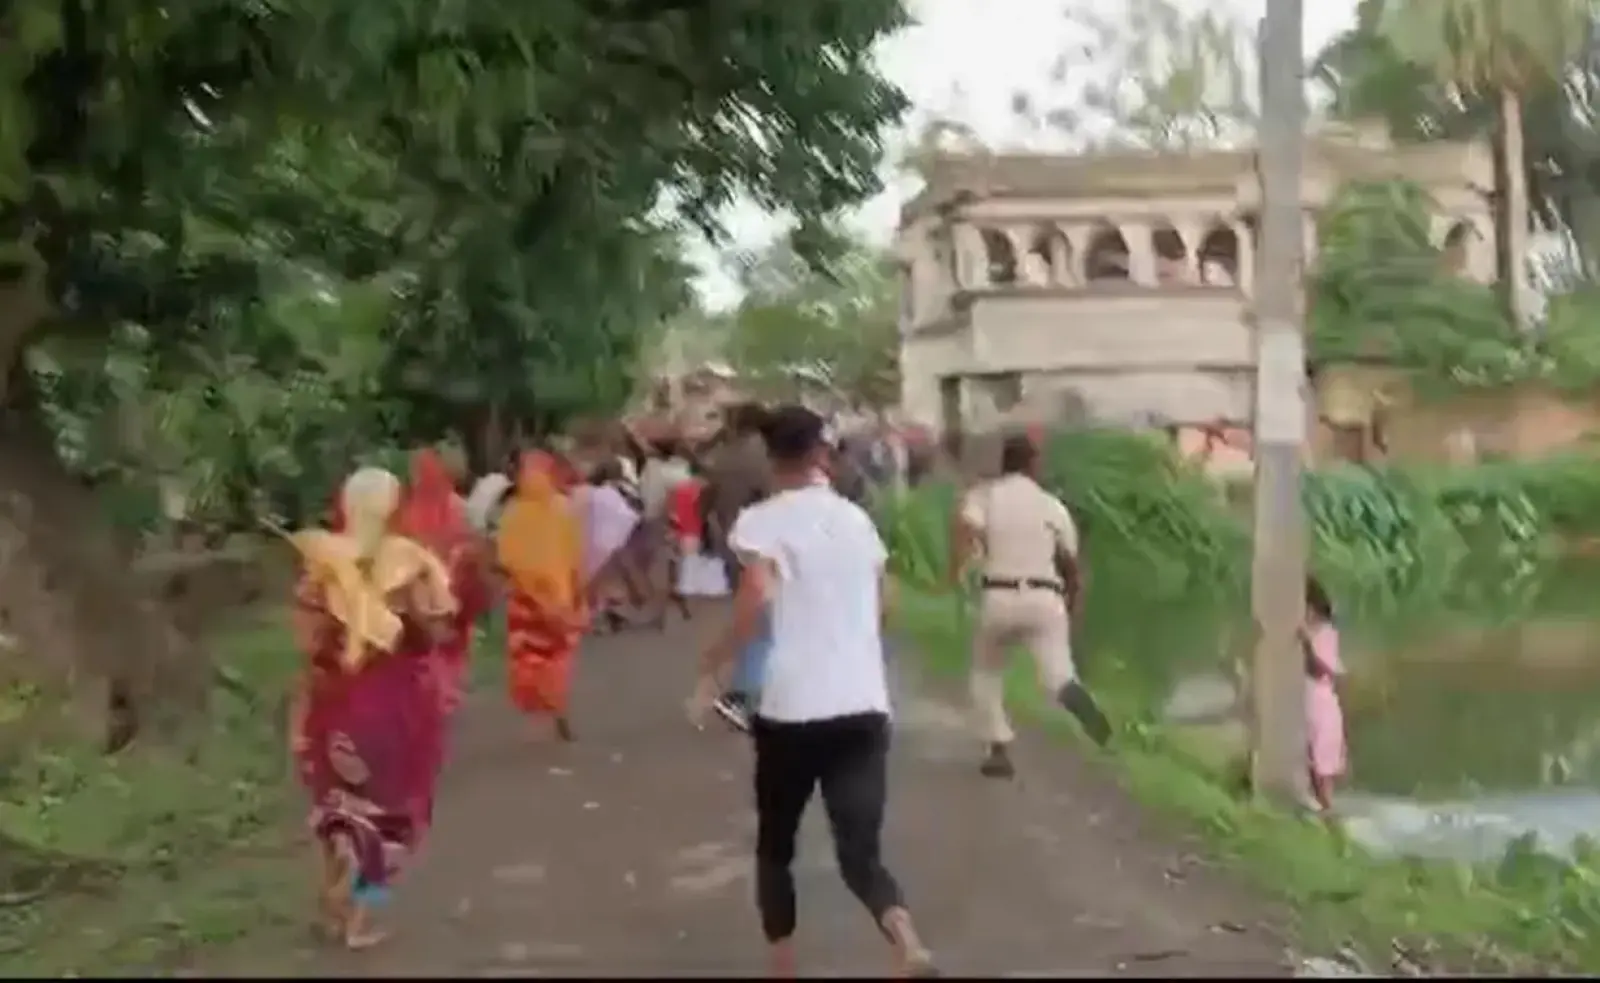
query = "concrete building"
{"x": 1116, "y": 287}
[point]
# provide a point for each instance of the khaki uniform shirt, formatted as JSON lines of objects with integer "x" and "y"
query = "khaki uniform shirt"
{"x": 1019, "y": 527}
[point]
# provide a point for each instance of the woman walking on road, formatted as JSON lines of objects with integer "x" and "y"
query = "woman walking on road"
{"x": 610, "y": 524}
{"x": 433, "y": 515}
{"x": 540, "y": 547}
{"x": 365, "y": 727}
{"x": 823, "y": 715}
{"x": 666, "y": 469}
{"x": 697, "y": 572}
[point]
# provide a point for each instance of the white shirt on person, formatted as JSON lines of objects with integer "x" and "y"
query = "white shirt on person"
{"x": 483, "y": 502}
{"x": 826, "y": 658}
{"x": 661, "y": 475}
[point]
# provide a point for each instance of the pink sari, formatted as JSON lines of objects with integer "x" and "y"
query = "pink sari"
{"x": 369, "y": 744}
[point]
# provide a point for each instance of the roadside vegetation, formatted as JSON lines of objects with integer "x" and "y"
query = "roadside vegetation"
{"x": 1168, "y": 563}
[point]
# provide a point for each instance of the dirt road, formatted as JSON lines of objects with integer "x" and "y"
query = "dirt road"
{"x": 628, "y": 853}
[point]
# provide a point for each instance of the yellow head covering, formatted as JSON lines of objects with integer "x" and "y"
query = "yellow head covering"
{"x": 539, "y": 542}
{"x": 360, "y": 568}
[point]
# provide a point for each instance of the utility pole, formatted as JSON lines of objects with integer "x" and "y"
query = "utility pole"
{"x": 1277, "y": 574}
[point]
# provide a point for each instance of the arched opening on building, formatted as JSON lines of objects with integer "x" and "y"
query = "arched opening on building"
{"x": 1219, "y": 257}
{"x": 1049, "y": 259}
{"x": 1000, "y": 256}
{"x": 1107, "y": 258}
{"x": 1454, "y": 248}
{"x": 1172, "y": 256}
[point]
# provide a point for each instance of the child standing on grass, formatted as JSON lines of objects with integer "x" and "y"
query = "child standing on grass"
{"x": 1319, "y": 640}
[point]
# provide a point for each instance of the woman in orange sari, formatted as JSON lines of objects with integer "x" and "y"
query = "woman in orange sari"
{"x": 366, "y": 723}
{"x": 434, "y": 516}
{"x": 540, "y": 548}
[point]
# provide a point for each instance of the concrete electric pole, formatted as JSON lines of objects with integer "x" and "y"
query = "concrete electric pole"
{"x": 1278, "y": 762}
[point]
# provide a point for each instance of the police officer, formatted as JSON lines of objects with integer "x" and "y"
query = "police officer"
{"x": 1027, "y": 545}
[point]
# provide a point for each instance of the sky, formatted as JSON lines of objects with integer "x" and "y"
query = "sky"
{"x": 965, "y": 59}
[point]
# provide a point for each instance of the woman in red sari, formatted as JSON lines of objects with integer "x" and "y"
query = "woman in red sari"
{"x": 434, "y": 516}
{"x": 370, "y": 608}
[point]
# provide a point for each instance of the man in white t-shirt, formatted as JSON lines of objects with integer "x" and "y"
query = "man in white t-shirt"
{"x": 814, "y": 564}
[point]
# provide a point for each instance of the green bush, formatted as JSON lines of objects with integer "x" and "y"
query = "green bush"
{"x": 1167, "y": 561}
{"x": 1384, "y": 540}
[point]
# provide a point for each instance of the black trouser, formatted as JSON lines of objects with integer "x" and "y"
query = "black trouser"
{"x": 849, "y": 758}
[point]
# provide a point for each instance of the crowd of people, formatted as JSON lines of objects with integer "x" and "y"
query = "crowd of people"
{"x": 576, "y": 540}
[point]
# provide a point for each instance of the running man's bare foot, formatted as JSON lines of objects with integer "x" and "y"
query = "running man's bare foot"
{"x": 912, "y": 958}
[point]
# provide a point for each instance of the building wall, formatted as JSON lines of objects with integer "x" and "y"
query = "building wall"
{"x": 1125, "y": 278}
{"x": 926, "y": 358}
{"x": 1110, "y": 330}
{"x": 1139, "y": 398}
{"x": 1522, "y": 423}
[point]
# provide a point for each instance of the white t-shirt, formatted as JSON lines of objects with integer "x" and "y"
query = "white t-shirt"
{"x": 827, "y": 645}
{"x": 659, "y": 478}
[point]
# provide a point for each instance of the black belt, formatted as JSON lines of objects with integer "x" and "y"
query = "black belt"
{"x": 1027, "y": 583}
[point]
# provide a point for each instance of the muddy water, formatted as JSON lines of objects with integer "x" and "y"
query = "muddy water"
{"x": 1468, "y": 728}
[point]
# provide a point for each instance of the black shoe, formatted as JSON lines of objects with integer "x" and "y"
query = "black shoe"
{"x": 1077, "y": 701}
{"x": 730, "y": 707}
{"x": 997, "y": 763}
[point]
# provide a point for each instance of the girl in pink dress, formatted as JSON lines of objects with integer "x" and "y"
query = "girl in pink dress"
{"x": 1324, "y": 717}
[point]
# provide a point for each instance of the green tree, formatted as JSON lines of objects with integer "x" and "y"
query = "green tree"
{"x": 1440, "y": 68}
{"x": 836, "y": 322}
{"x": 1381, "y": 289}
{"x": 1156, "y": 74}
{"x": 486, "y": 194}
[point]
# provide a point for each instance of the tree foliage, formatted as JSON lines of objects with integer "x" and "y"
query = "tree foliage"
{"x": 1155, "y": 74}
{"x": 836, "y": 322}
{"x": 397, "y": 221}
{"x": 244, "y": 245}
{"x": 1382, "y": 290}
{"x": 1431, "y": 71}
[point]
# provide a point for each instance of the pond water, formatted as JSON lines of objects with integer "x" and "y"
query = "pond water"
{"x": 1467, "y": 728}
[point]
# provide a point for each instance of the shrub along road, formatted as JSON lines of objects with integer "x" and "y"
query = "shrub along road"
{"x": 629, "y": 853}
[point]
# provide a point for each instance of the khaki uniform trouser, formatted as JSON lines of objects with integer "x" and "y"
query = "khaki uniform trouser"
{"x": 1033, "y": 618}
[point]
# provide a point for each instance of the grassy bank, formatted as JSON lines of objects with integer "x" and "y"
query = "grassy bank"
{"x": 140, "y": 859}
{"x": 1528, "y": 913}
{"x": 1168, "y": 560}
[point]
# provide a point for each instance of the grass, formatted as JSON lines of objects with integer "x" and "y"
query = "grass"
{"x": 1529, "y": 913}
{"x": 191, "y": 854}
{"x": 188, "y": 857}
